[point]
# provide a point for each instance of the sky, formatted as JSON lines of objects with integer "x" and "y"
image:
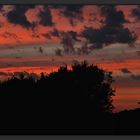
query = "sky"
{"x": 40, "y": 38}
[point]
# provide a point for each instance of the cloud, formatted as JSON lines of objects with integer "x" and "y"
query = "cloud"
{"x": 136, "y": 13}
{"x": 68, "y": 41}
{"x": 45, "y": 17}
{"x": 138, "y": 52}
{"x": 55, "y": 32}
{"x": 135, "y": 77}
{"x": 74, "y": 35}
{"x": 1, "y": 6}
{"x": 125, "y": 70}
{"x": 46, "y": 35}
{"x": 3, "y": 74}
{"x": 107, "y": 35}
{"x": 84, "y": 49}
{"x": 17, "y": 16}
{"x": 72, "y": 12}
{"x": 40, "y": 50}
{"x": 113, "y": 17}
{"x": 58, "y": 52}
{"x": 35, "y": 35}
{"x": 112, "y": 30}
{"x": 10, "y": 35}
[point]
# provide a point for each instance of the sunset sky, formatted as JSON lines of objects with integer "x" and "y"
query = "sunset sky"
{"x": 40, "y": 38}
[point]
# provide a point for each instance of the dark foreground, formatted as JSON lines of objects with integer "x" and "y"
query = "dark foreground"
{"x": 38, "y": 121}
{"x": 77, "y": 101}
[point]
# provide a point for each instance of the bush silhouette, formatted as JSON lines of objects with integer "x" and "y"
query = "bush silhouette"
{"x": 69, "y": 98}
{"x": 70, "y": 101}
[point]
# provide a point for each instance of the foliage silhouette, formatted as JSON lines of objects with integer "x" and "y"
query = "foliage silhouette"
{"x": 83, "y": 82}
{"x": 72, "y": 100}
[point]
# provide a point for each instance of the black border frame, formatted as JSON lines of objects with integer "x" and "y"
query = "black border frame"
{"x": 124, "y": 2}
{"x": 40, "y": 132}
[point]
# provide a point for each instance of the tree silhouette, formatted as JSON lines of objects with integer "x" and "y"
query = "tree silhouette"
{"x": 69, "y": 101}
{"x": 79, "y": 97}
{"x": 87, "y": 84}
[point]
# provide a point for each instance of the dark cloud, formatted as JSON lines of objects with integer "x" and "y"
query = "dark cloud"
{"x": 46, "y": 35}
{"x": 58, "y": 52}
{"x": 108, "y": 35}
{"x": 84, "y": 49}
{"x": 112, "y": 30}
{"x": 1, "y": 9}
{"x": 113, "y": 17}
{"x": 35, "y": 35}
{"x": 136, "y": 13}
{"x": 125, "y": 70}
{"x": 3, "y": 74}
{"x": 55, "y": 32}
{"x": 17, "y": 16}
{"x": 135, "y": 77}
{"x": 10, "y": 35}
{"x": 40, "y": 50}
{"x": 18, "y": 57}
{"x": 138, "y": 53}
{"x": 72, "y": 12}
{"x": 1, "y": 24}
{"x": 74, "y": 35}
{"x": 9, "y": 65}
{"x": 1, "y": 6}
{"x": 45, "y": 17}
{"x": 68, "y": 41}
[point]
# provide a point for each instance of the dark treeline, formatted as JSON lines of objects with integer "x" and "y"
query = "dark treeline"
{"x": 75, "y": 101}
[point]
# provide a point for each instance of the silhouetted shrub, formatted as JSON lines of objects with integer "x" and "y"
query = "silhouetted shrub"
{"x": 77, "y": 97}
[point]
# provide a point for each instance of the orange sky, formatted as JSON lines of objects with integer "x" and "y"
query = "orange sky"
{"x": 91, "y": 16}
{"x": 33, "y": 49}
{"x": 126, "y": 98}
